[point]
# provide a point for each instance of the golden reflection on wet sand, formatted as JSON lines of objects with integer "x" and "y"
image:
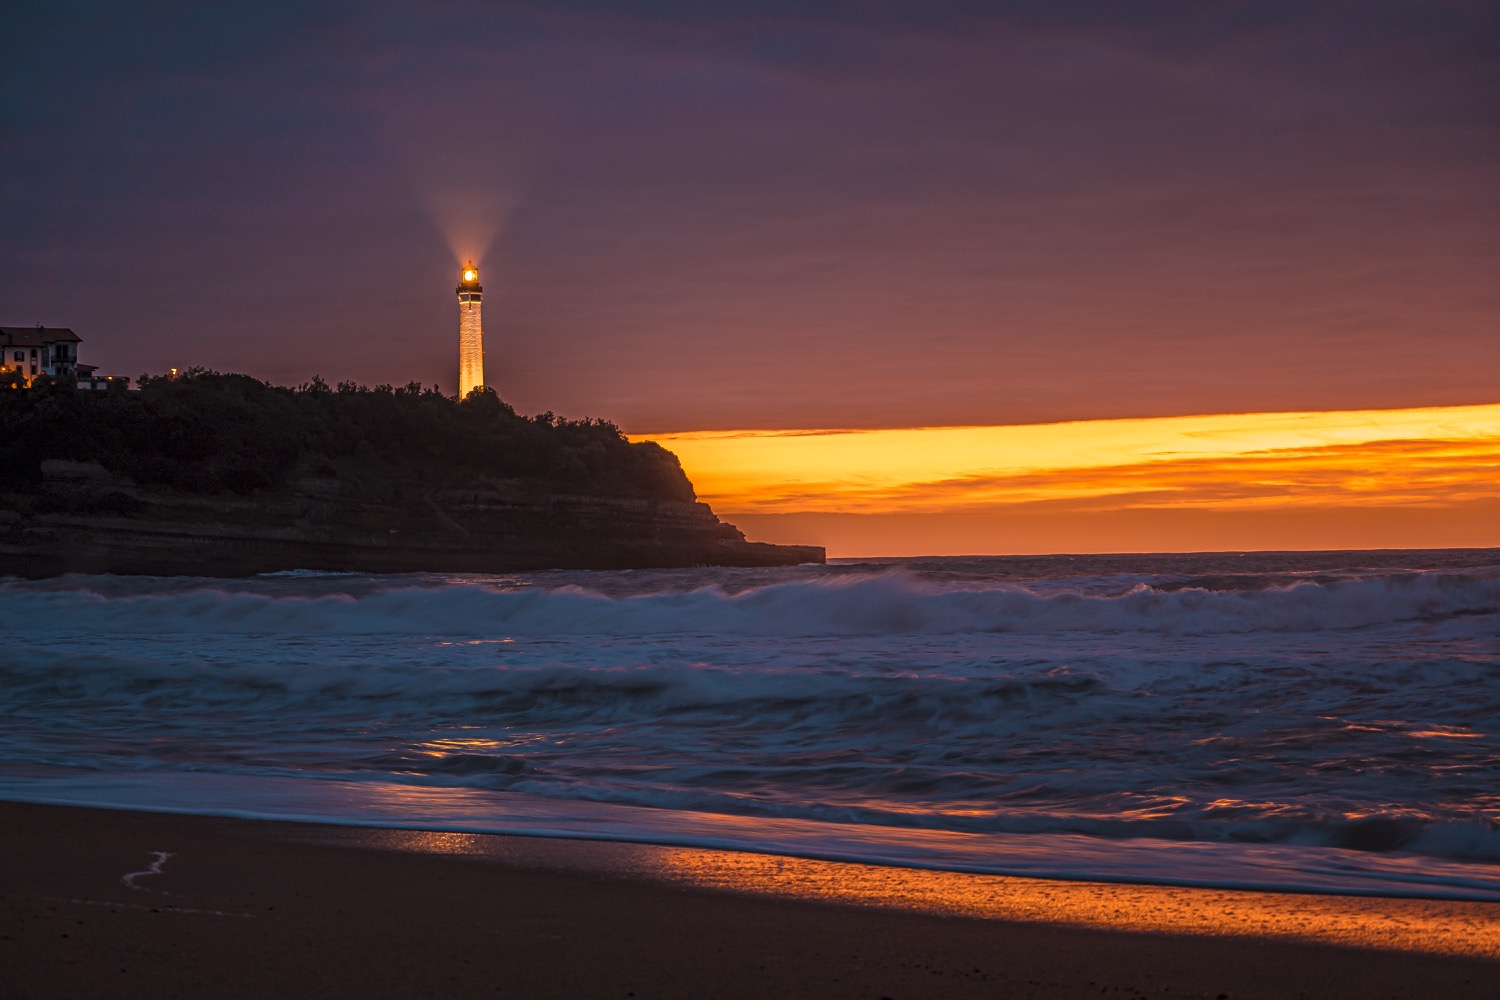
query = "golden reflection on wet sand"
{"x": 1412, "y": 925}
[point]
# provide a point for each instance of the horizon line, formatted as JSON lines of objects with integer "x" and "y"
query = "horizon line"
{"x": 809, "y": 431}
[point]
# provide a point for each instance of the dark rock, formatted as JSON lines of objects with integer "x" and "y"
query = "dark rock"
{"x": 88, "y": 525}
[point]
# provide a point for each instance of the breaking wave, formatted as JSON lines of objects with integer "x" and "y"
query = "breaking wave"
{"x": 893, "y": 603}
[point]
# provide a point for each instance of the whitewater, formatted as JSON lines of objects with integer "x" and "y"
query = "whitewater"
{"x": 1306, "y": 721}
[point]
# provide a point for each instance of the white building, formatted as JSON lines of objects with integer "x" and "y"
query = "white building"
{"x": 470, "y": 332}
{"x": 34, "y": 351}
{"x": 39, "y": 350}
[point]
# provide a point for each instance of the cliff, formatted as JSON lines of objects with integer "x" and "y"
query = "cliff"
{"x": 81, "y": 519}
{"x": 179, "y": 482}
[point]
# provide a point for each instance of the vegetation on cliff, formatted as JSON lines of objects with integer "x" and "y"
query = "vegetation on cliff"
{"x": 203, "y": 432}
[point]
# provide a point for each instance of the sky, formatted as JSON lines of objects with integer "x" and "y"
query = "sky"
{"x": 724, "y": 217}
{"x": 1416, "y": 478}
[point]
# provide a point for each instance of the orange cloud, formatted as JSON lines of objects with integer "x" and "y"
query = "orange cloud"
{"x": 1431, "y": 473}
{"x": 1287, "y": 466}
{"x": 1434, "y": 456}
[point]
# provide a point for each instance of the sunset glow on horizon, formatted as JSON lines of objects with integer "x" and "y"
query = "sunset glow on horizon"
{"x": 1417, "y": 476}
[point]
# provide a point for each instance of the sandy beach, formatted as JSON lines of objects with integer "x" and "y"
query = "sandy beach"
{"x": 113, "y": 903}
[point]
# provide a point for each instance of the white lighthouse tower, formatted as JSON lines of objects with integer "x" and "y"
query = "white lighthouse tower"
{"x": 470, "y": 335}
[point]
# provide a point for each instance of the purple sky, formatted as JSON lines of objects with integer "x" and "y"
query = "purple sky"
{"x": 810, "y": 215}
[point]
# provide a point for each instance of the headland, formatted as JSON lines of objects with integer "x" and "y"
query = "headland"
{"x": 222, "y": 475}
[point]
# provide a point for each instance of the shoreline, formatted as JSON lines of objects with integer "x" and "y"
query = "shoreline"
{"x": 129, "y": 903}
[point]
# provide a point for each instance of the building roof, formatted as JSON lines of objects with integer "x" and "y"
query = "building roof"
{"x": 36, "y": 336}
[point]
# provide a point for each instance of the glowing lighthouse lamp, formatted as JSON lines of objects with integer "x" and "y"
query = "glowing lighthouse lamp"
{"x": 470, "y": 335}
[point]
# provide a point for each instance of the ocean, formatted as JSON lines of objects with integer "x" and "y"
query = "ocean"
{"x": 1324, "y": 721}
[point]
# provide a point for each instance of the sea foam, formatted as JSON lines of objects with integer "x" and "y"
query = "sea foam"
{"x": 1298, "y": 706}
{"x": 891, "y": 602}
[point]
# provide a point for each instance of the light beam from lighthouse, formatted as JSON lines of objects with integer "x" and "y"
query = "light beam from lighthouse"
{"x": 470, "y": 334}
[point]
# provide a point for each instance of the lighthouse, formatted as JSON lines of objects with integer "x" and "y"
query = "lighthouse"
{"x": 470, "y": 336}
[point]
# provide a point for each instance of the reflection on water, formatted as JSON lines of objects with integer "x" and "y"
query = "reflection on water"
{"x": 1411, "y": 925}
{"x": 1059, "y": 717}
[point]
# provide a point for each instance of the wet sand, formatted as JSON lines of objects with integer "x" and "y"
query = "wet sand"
{"x": 111, "y": 903}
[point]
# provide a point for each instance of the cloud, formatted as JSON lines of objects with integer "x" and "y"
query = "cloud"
{"x": 1229, "y": 462}
{"x": 789, "y": 214}
{"x": 1430, "y": 473}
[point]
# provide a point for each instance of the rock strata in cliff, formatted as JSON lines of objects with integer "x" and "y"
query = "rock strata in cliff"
{"x": 83, "y": 519}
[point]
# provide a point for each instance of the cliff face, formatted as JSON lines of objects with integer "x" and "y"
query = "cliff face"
{"x": 82, "y": 519}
